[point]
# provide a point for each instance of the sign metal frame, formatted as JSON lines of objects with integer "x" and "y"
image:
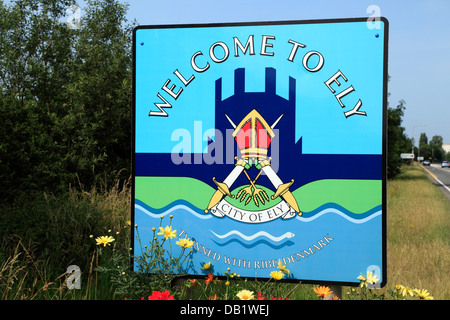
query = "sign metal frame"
{"x": 173, "y": 91}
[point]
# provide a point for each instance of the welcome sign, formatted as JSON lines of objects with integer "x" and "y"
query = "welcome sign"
{"x": 265, "y": 142}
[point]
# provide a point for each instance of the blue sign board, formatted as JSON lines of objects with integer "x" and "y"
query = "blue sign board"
{"x": 265, "y": 142}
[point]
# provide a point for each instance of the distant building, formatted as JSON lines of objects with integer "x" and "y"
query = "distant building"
{"x": 446, "y": 147}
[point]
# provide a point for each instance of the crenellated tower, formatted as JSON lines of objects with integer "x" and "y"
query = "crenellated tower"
{"x": 269, "y": 105}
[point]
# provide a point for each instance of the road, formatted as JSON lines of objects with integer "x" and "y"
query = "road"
{"x": 440, "y": 177}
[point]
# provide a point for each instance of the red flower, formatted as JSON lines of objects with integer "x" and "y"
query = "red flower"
{"x": 157, "y": 295}
{"x": 193, "y": 282}
{"x": 209, "y": 278}
{"x": 260, "y": 297}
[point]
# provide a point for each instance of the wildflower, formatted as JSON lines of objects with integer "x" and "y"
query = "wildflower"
{"x": 277, "y": 275}
{"x": 157, "y": 295}
{"x": 209, "y": 278}
{"x": 369, "y": 279}
{"x": 322, "y": 291}
{"x": 423, "y": 294}
{"x": 185, "y": 243}
{"x": 335, "y": 298}
{"x": 227, "y": 283}
{"x": 283, "y": 268}
{"x": 214, "y": 297}
{"x": 129, "y": 222}
{"x": 245, "y": 295}
{"x": 193, "y": 282}
{"x": 167, "y": 232}
{"x": 260, "y": 297}
{"x": 404, "y": 290}
{"x": 104, "y": 240}
{"x": 206, "y": 266}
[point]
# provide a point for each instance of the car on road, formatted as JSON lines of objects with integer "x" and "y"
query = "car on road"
{"x": 445, "y": 163}
{"x": 426, "y": 162}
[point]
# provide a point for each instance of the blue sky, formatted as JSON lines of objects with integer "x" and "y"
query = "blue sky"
{"x": 419, "y": 43}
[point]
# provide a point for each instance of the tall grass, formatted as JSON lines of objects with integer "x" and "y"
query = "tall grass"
{"x": 418, "y": 233}
{"x": 41, "y": 235}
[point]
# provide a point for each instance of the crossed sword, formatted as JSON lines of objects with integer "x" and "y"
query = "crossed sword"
{"x": 282, "y": 189}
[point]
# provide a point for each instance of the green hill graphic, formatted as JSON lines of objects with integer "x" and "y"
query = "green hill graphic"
{"x": 357, "y": 196}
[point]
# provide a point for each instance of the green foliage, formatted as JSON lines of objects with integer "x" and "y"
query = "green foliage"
{"x": 155, "y": 268}
{"x": 432, "y": 149}
{"x": 65, "y": 95}
{"x": 44, "y": 234}
{"x": 423, "y": 139}
{"x": 397, "y": 141}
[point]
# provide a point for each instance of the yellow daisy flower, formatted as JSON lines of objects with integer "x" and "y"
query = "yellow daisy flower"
{"x": 185, "y": 243}
{"x": 283, "y": 267}
{"x": 404, "y": 290}
{"x": 423, "y": 294}
{"x": 167, "y": 232}
{"x": 245, "y": 295}
{"x": 369, "y": 278}
{"x": 322, "y": 291}
{"x": 207, "y": 266}
{"x": 277, "y": 275}
{"x": 104, "y": 240}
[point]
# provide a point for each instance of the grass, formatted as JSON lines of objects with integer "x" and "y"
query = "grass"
{"x": 418, "y": 233}
{"x": 41, "y": 235}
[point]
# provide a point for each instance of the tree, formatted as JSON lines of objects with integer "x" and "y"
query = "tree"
{"x": 437, "y": 141}
{"x": 425, "y": 151}
{"x": 99, "y": 125}
{"x": 34, "y": 50}
{"x": 433, "y": 150}
{"x": 65, "y": 95}
{"x": 437, "y": 151}
{"x": 397, "y": 141}
{"x": 423, "y": 139}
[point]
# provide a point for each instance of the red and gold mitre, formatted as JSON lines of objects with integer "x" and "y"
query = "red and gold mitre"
{"x": 253, "y": 136}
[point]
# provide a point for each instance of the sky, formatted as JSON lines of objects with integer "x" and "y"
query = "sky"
{"x": 419, "y": 43}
